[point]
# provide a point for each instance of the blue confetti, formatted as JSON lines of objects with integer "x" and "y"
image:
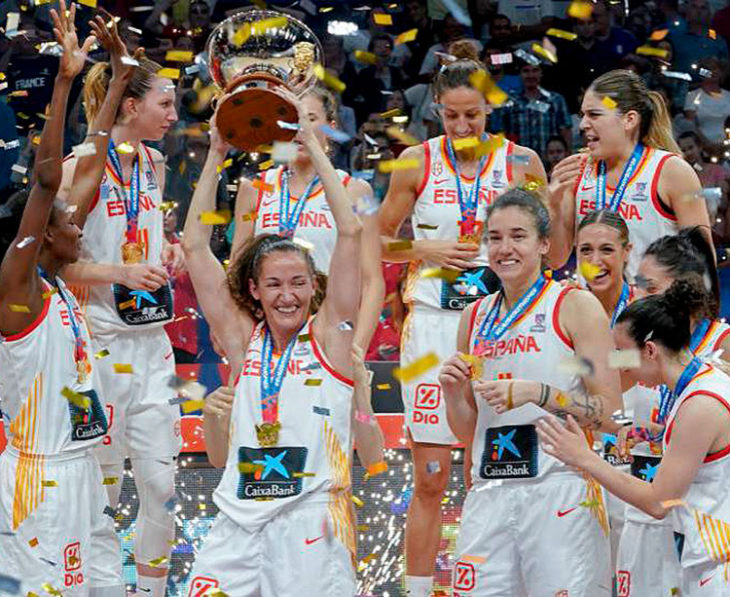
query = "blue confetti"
{"x": 335, "y": 134}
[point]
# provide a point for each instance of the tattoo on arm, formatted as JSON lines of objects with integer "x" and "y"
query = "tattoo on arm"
{"x": 586, "y": 408}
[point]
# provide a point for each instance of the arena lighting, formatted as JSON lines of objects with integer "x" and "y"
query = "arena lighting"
{"x": 341, "y": 27}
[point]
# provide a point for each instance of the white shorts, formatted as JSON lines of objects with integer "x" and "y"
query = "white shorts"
{"x": 647, "y": 562}
{"x": 289, "y": 556}
{"x": 531, "y": 538}
{"x": 708, "y": 580}
{"x": 142, "y": 422}
{"x": 62, "y": 520}
{"x": 424, "y": 331}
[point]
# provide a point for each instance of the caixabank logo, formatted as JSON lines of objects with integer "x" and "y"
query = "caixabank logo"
{"x": 270, "y": 472}
{"x": 509, "y": 453}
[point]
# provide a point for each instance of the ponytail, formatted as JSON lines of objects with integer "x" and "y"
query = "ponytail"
{"x": 659, "y": 134}
{"x": 96, "y": 84}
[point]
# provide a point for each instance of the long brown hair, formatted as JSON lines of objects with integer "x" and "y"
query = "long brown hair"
{"x": 97, "y": 80}
{"x": 629, "y": 91}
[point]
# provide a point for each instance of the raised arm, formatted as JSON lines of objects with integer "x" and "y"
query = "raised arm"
{"x": 244, "y": 215}
{"x": 19, "y": 281}
{"x": 368, "y": 434}
{"x": 227, "y": 322}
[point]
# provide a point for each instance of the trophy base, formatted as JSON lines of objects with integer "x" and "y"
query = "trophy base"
{"x": 247, "y": 118}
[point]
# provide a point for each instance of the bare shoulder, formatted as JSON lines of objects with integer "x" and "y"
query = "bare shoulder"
{"x": 357, "y": 187}
{"x": 580, "y": 307}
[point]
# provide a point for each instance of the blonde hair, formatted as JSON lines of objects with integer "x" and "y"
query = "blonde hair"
{"x": 97, "y": 80}
{"x": 629, "y": 91}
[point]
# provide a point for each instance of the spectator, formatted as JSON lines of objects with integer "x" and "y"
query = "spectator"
{"x": 556, "y": 149}
{"x": 695, "y": 43}
{"x": 494, "y": 57}
{"x": 481, "y": 12}
{"x": 612, "y": 42}
{"x": 676, "y": 89}
{"x": 533, "y": 116}
{"x": 500, "y": 30}
{"x": 708, "y": 106}
{"x": 418, "y": 19}
{"x": 10, "y": 149}
{"x": 451, "y": 31}
{"x": 527, "y": 12}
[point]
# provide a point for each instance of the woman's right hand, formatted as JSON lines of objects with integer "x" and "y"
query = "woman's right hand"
{"x": 142, "y": 276}
{"x": 455, "y": 375}
{"x": 446, "y": 253}
{"x": 219, "y": 402}
{"x": 218, "y": 145}
{"x": 565, "y": 176}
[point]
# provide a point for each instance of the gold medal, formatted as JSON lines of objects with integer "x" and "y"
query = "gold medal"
{"x": 469, "y": 239}
{"x": 82, "y": 371}
{"x": 475, "y": 236}
{"x": 132, "y": 253}
{"x": 267, "y": 434}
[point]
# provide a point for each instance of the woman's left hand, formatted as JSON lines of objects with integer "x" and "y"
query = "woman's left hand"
{"x": 567, "y": 442}
{"x": 506, "y": 394}
{"x": 64, "y": 27}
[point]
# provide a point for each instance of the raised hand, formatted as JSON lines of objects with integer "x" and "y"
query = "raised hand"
{"x": 108, "y": 36}
{"x": 64, "y": 28}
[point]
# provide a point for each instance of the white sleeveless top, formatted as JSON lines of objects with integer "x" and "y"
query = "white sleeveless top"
{"x": 704, "y": 522}
{"x": 646, "y": 216}
{"x": 104, "y": 235}
{"x": 316, "y": 224}
{"x": 436, "y": 213}
{"x": 532, "y": 349}
{"x": 315, "y": 439}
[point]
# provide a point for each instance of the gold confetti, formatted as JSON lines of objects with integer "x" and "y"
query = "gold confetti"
{"x": 669, "y": 504}
{"x": 168, "y": 205}
{"x": 127, "y": 304}
{"x": 401, "y": 164}
{"x": 157, "y": 561}
{"x": 49, "y": 292}
{"x": 609, "y": 102}
{"x": 213, "y": 218}
{"x": 649, "y": 51}
{"x": 450, "y": 275}
{"x": 399, "y": 245}
{"x": 49, "y": 483}
{"x": 365, "y": 57}
{"x": 328, "y": 79}
{"x": 357, "y": 501}
{"x": 90, "y": 3}
{"x": 580, "y": 9}
{"x": 391, "y": 113}
{"x": 169, "y": 73}
{"x": 533, "y": 183}
{"x": 249, "y": 467}
{"x": 382, "y": 18}
{"x": 179, "y": 56}
{"x": 47, "y": 587}
{"x": 125, "y": 147}
{"x": 249, "y": 216}
{"x": 303, "y": 338}
{"x": 122, "y": 368}
{"x": 75, "y": 398}
{"x": 190, "y": 405}
{"x": 224, "y": 165}
{"x": 712, "y": 34}
{"x": 659, "y": 34}
{"x": 416, "y": 368}
{"x": 475, "y": 559}
{"x": 561, "y": 34}
{"x": 33, "y": 542}
{"x": 216, "y": 593}
{"x": 476, "y": 363}
{"x": 383, "y": 386}
{"x": 110, "y": 481}
{"x": 406, "y": 36}
{"x": 266, "y": 165}
{"x": 466, "y": 143}
{"x": 377, "y": 468}
{"x": 481, "y": 81}
{"x": 401, "y": 136}
{"x": 427, "y": 227}
{"x": 298, "y": 475}
{"x": 589, "y": 270}
{"x": 544, "y": 52}
{"x": 262, "y": 185}
{"x": 313, "y": 382}
{"x": 561, "y": 399}
{"x": 490, "y": 145}
{"x": 19, "y": 308}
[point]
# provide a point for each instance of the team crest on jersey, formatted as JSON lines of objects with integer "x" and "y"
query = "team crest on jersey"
{"x": 497, "y": 181}
{"x": 639, "y": 193}
{"x": 539, "y": 323}
{"x": 302, "y": 349}
{"x": 270, "y": 473}
{"x": 437, "y": 167}
{"x": 151, "y": 180}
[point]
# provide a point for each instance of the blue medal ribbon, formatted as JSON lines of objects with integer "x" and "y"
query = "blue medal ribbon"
{"x": 288, "y": 221}
{"x": 618, "y": 194}
{"x": 698, "y": 334}
{"x": 467, "y": 204}
{"x": 271, "y": 383}
{"x": 623, "y": 300}
{"x": 489, "y": 331}
{"x": 131, "y": 200}
{"x": 669, "y": 398}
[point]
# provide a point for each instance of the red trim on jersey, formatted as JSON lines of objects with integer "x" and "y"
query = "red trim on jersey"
{"x": 717, "y": 455}
{"x": 321, "y": 358}
{"x": 720, "y": 340}
{"x": 262, "y": 178}
{"x": 508, "y": 167}
{"x": 656, "y": 201}
{"x": 472, "y": 318}
{"x": 36, "y": 322}
{"x": 346, "y": 180}
{"x": 556, "y": 318}
{"x": 714, "y": 455}
{"x": 580, "y": 178}
{"x": 426, "y": 168}
{"x": 149, "y": 157}
{"x": 95, "y": 200}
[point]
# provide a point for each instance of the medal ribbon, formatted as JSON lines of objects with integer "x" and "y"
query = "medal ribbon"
{"x": 131, "y": 200}
{"x": 618, "y": 193}
{"x": 489, "y": 331}
{"x": 467, "y": 204}
{"x": 668, "y": 398}
{"x": 271, "y": 383}
{"x": 79, "y": 351}
{"x": 698, "y": 335}
{"x": 623, "y": 300}
{"x": 288, "y": 222}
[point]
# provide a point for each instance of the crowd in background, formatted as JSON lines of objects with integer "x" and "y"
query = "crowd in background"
{"x": 680, "y": 48}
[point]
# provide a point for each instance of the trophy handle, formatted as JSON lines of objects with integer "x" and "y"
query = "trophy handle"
{"x": 247, "y": 118}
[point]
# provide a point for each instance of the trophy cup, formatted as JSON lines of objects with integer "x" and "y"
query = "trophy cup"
{"x": 249, "y": 55}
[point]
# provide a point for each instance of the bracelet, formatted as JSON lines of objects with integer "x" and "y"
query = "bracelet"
{"x": 544, "y": 395}
{"x": 363, "y": 417}
{"x": 510, "y": 403}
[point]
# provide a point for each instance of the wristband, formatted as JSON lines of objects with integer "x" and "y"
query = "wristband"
{"x": 363, "y": 417}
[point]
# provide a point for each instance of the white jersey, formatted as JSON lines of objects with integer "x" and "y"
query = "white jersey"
{"x": 646, "y": 216}
{"x": 112, "y": 308}
{"x": 37, "y": 364}
{"x": 436, "y": 215}
{"x": 312, "y": 460}
{"x": 505, "y": 446}
{"x": 704, "y": 522}
{"x": 316, "y": 223}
